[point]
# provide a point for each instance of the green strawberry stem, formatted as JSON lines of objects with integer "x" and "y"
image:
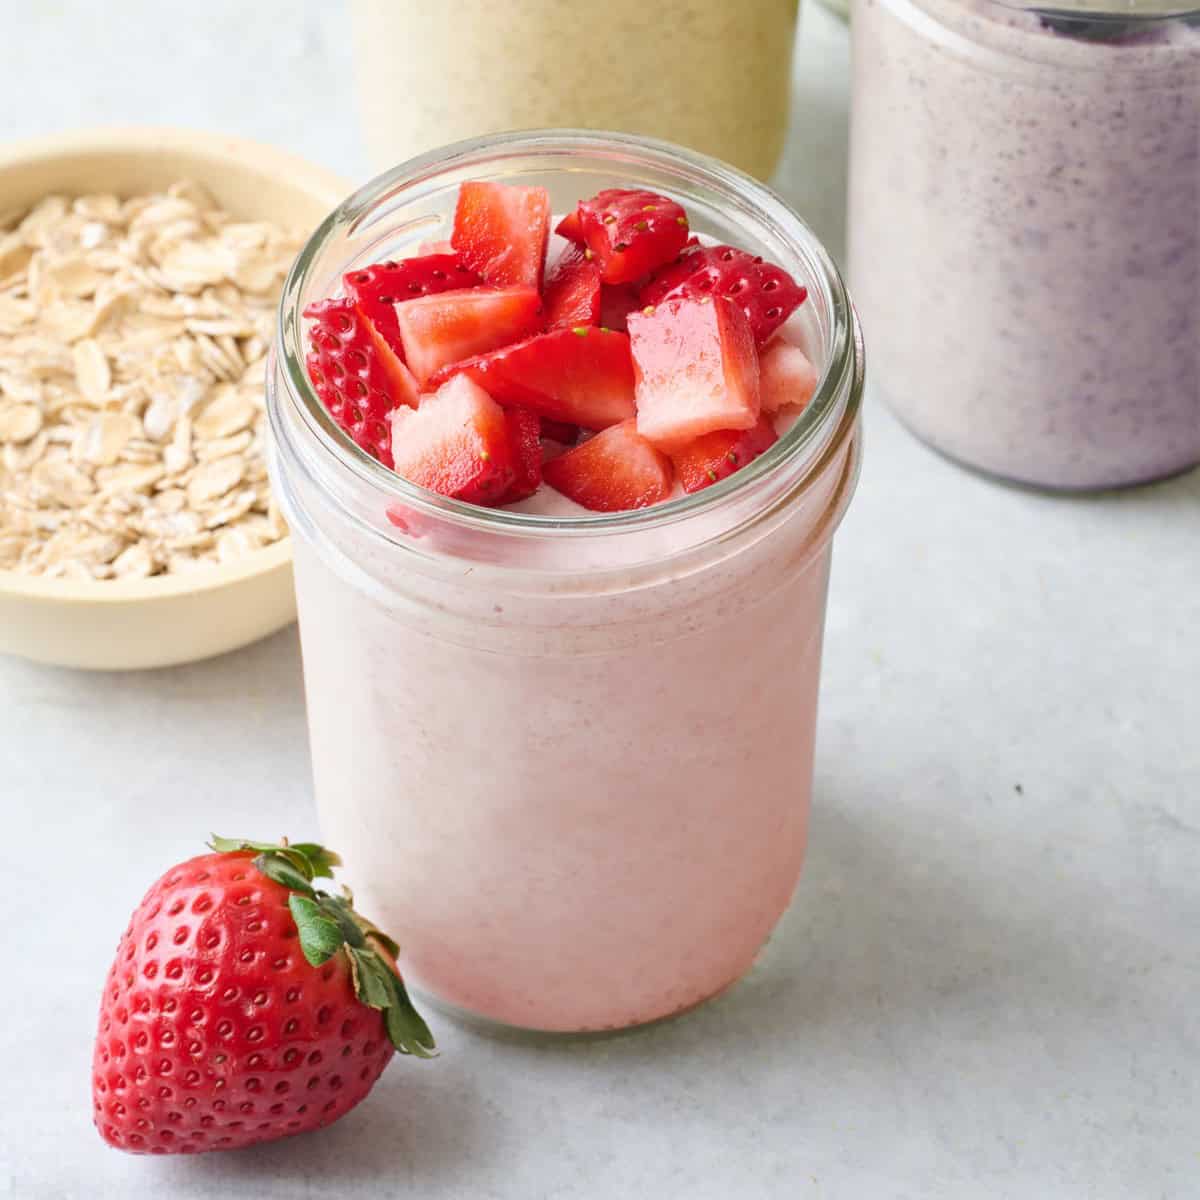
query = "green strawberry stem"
{"x": 328, "y": 925}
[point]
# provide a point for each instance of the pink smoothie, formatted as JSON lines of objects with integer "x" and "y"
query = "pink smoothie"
{"x": 569, "y": 755}
{"x": 1025, "y": 235}
{"x": 582, "y": 809}
{"x": 585, "y": 809}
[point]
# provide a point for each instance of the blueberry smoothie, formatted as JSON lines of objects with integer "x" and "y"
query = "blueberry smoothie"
{"x": 1025, "y": 233}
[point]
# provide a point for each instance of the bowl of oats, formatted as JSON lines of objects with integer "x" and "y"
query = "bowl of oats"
{"x": 140, "y": 273}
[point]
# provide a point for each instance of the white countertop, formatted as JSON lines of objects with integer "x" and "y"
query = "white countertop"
{"x": 987, "y": 985}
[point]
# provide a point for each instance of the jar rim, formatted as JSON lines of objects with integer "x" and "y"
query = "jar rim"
{"x": 822, "y": 427}
{"x": 1129, "y": 11}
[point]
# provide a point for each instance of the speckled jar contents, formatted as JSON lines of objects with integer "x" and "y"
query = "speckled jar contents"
{"x": 1025, "y": 236}
{"x": 708, "y": 74}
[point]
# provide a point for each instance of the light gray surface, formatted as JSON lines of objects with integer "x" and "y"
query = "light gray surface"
{"x": 987, "y": 984}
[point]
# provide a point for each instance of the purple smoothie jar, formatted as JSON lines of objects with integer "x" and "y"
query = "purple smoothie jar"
{"x": 1025, "y": 231}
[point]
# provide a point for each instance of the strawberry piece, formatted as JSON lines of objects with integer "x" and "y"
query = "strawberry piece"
{"x": 583, "y": 376}
{"x": 617, "y": 301}
{"x": 572, "y": 292}
{"x": 356, "y": 374}
{"x": 616, "y": 470}
{"x": 501, "y": 231}
{"x": 570, "y": 228}
{"x": 717, "y": 455}
{"x": 457, "y": 443}
{"x": 377, "y": 289}
{"x": 632, "y": 232}
{"x": 697, "y": 369}
{"x": 444, "y": 328}
{"x": 767, "y": 294}
{"x": 525, "y": 431}
{"x": 562, "y": 432}
{"x": 786, "y": 376}
{"x": 216, "y": 1029}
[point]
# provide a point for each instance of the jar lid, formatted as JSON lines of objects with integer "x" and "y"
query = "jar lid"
{"x": 1114, "y": 10}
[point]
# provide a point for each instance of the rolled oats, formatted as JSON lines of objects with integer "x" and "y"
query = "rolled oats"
{"x": 228, "y": 412}
{"x": 105, "y": 437}
{"x": 237, "y": 543}
{"x": 20, "y": 422}
{"x": 93, "y": 376}
{"x": 133, "y": 341}
{"x": 207, "y": 451}
{"x": 213, "y": 479}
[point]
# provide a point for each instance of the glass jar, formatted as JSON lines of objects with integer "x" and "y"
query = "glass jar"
{"x": 1024, "y": 232}
{"x": 569, "y": 758}
{"x": 705, "y": 73}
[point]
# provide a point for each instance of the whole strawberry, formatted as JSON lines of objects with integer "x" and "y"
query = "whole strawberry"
{"x": 245, "y": 1005}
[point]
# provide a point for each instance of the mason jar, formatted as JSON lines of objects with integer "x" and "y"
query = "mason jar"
{"x": 569, "y": 758}
{"x": 708, "y": 74}
{"x": 1024, "y": 229}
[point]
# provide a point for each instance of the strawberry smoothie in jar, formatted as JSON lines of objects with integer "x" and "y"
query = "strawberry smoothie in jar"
{"x": 568, "y": 740}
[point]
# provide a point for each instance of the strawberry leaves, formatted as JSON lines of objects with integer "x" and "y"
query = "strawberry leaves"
{"x": 320, "y": 936}
{"x": 309, "y": 859}
{"x": 328, "y": 925}
{"x": 380, "y": 988}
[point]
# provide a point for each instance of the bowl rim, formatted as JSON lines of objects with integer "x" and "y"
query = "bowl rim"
{"x": 146, "y": 141}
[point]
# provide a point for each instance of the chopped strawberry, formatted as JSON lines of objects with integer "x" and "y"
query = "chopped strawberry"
{"x": 573, "y": 291}
{"x": 786, "y": 376}
{"x": 404, "y": 383}
{"x": 616, "y": 470}
{"x": 570, "y": 228}
{"x": 617, "y": 301}
{"x": 767, "y": 294}
{"x": 359, "y": 379}
{"x": 444, "y": 328}
{"x": 697, "y": 369}
{"x": 582, "y": 375}
{"x": 501, "y": 231}
{"x": 717, "y": 455}
{"x": 457, "y": 443}
{"x": 524, "y": 429}
{"x": 562, "y": 432}
{"x": 379, "y": 288}
{"x": 632, "y": 232}
{"x": 441, "y": 247}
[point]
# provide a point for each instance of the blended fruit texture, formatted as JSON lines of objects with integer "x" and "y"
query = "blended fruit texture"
{"x": 1025, "y": 236}
{"x": 578, "y": 811}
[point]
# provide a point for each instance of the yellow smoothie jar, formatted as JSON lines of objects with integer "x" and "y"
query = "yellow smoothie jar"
{"x": 713, "y": 75}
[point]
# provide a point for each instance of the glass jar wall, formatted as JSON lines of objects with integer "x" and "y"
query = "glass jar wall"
{"x": 571, "y": 757}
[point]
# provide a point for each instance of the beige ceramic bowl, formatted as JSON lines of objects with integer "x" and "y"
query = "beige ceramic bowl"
{"x": 121, "y": 625}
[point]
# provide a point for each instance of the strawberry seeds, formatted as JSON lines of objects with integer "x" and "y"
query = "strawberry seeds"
{"x": 640, "y": 362}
